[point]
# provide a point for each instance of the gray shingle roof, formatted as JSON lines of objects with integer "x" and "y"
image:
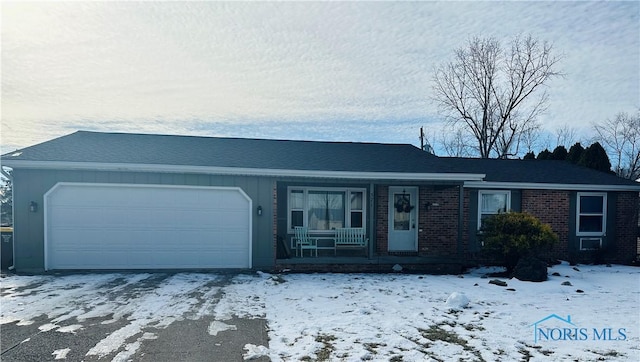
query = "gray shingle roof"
{"x": 124, "y": 148}
{"x": 535, "y": 171}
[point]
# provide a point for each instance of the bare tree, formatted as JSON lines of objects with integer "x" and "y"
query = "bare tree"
{"x": 566, "y": 136}
{"x": 456, "y": 144}
{"x": 494, "y": 94}
{"x": 529, "y": 139}
{"x": 621, "y": 138}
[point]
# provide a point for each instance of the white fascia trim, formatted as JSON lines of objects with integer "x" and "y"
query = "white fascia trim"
{"x": 543, "y": 186}
{"x": 142, "y": 167}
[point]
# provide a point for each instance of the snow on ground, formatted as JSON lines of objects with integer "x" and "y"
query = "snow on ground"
{"x": 142, "y": 299}
{"x": 386, "y": 317}
{"x": 61, "y": 353}
{"x": 352, "y": 317}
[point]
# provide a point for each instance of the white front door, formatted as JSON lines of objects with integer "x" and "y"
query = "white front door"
{"x": 403, "y": 218}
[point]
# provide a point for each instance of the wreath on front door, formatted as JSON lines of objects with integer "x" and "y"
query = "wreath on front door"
{"x": 403, "y": 204}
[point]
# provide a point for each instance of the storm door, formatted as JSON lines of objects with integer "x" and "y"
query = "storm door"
{"x": 403, "y": 217}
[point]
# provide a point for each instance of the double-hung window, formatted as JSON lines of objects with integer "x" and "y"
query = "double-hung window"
{"x": 591, "y": 214}
{"x": 325, "y": 209}
{"x": 492, "y": 203}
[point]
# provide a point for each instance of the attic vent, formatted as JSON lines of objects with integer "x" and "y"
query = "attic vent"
{"x": 16, "y": 154}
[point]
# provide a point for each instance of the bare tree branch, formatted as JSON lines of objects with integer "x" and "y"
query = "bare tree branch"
{"x": 457, "y": 143}
{"x": 566, "y": 136}
{"x": 621, "y": 139}
{"x": 496, "y": 94}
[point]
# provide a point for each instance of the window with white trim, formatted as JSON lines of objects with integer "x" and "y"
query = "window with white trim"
{"x": 491, "y": 202}
{"x": 591, "y": 214}
{"x": 325, "y": 209}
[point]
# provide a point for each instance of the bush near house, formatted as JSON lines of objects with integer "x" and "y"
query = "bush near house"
{"x": 513, "y": 235}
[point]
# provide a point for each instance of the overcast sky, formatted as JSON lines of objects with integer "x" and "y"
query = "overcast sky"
{"x": 346, "y": 71}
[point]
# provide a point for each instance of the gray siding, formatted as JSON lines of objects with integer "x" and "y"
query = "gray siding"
{"x": 31, "y": 185}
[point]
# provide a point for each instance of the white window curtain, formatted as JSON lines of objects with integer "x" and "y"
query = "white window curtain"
{"x": 492, "y": 202}
{"x": 325, "y": 209}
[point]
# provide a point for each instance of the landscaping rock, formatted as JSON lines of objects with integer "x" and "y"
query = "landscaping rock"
{"x": 531, "y": 269}
{"x": 498, "y": 282}
{"x": 556, "y": 274}
{"x": 566, "y": 283}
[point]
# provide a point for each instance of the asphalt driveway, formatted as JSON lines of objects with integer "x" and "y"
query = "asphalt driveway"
{"x": 122, "y": 317}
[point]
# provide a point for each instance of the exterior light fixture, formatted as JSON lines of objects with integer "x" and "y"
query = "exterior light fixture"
{"x": 259, "y": 210}
{"x": 429, "y": 205}
{"x": 33, "y": 206}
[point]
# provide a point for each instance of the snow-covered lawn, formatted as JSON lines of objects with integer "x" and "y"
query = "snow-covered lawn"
{"x": 352, "y": 317}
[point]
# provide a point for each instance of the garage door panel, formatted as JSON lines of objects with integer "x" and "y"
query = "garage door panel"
{"x": 81, "y": 216}
{"x": 231, "y": 218}
{"x": 78, "y": 239}
{"x": 104, "y": 226}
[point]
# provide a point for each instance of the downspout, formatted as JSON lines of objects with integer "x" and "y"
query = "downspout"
{"x": 13, "y": 234}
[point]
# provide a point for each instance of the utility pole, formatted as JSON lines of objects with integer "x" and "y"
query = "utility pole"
{"x": 424, "y": 145}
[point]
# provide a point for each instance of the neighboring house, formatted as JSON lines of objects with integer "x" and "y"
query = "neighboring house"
{"x": 130, "y": 201}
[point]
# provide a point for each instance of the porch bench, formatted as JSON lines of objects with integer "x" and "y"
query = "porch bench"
{"x": 351, "y": 237}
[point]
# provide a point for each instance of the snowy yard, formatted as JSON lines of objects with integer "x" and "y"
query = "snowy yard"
{"x": 355, "y": 317}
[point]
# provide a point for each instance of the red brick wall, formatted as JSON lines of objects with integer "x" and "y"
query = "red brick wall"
{"x": 382, "y": 220}
{"x": 465, "y": 221}
{"x": 439, "y": 225}
{"x": 551, "y": 207}
{"x": 626, "y": 227}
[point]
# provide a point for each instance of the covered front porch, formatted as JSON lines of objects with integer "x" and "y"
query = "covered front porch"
{"x": 418, "y": 226}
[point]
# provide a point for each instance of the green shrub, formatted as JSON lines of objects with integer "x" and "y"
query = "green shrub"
{"x": 513, "y": 235}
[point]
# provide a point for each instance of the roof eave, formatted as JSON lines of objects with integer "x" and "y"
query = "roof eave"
{"x": 240, "y": 171}
{"x": 549, "y": 186}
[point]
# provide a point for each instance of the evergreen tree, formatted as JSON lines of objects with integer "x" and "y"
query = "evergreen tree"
{"x": 559, "y": 153}
{"x": 529, "y": 156}
{"x": 544, "y": 155}
{"x": 595, "y": 157}
{"x": 575, "y": 152}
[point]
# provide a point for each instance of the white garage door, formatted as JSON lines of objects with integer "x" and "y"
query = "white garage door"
{"x": 116, "y": 226}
